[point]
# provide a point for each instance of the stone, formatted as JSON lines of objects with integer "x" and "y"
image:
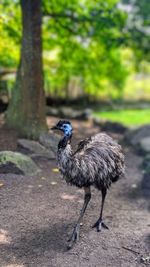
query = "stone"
{"x": 114, "y": 127}
{"x": 145, "y": 184}
{"x": 50, "y": 141}
{"x": 134, "y": 136}
{"x": 97, "y": 121}
{"x": 109, "y": 126}
{"x": 14, "y": 162}
{"x": 35, "y": 149}
{"x": 69, "y": 113}
{"x": 66, "y": 112}
{"x": 52, "y": 111}
{"x": 144, "y": 145}
{"x": 86, "y": 114}
{"x": 146, "y": 164}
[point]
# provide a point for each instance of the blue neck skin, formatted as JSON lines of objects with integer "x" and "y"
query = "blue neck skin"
{"x": 66, "y": 138}
{"x": 67, "y": 130}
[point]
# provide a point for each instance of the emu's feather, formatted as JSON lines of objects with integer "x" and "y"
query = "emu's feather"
{"x": 98, "y": 161}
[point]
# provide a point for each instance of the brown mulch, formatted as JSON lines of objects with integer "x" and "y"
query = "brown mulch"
{"x": 38, "y": 213}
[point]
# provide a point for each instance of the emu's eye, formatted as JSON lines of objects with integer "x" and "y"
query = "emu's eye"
{"x": 64, "y": 126}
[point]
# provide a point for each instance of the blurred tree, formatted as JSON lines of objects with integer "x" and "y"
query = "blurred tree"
{"x": 85, "y": 37}
{"x": 82, "y": 40}
{"x": 26, "y": 109}
{"x": 138, "y": 27}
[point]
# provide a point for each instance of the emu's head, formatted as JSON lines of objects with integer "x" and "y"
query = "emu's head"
{"x": 64, "y": 126}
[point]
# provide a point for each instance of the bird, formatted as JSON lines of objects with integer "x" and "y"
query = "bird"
{"x": 97, "y": 161}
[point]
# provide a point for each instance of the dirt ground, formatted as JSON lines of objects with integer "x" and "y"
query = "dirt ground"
{"x": 37, "y": 215}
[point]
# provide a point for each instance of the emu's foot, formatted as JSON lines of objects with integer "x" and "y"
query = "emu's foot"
{"x": 74, "y": 237}
{"x": 99, "y": 224}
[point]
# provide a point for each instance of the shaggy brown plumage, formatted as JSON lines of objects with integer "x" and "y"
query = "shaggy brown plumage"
{"x": 98, "y": 161}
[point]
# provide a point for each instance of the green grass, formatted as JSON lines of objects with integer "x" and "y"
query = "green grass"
{"x": 126, "y": 117}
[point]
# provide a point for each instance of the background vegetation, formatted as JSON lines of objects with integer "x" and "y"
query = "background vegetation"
{"x": 94, "y": 50}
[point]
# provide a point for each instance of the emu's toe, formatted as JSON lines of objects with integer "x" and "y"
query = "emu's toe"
{"x": 99, "y": 224}
{"x": 74, "y": 237}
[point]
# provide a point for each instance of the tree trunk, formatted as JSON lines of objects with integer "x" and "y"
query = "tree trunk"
{"x": 26, "y": 112}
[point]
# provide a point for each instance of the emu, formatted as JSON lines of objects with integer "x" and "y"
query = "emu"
{"x": 98, "y": 161}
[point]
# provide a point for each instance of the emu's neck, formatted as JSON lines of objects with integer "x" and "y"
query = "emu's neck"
{"x": 64, "y": 142}
{"x": 64, "y": 152}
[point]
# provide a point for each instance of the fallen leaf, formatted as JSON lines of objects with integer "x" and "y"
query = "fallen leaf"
{"x": 134, "y": 185}
{"x": 1, "y": 184}
{"x": 68, "y": 197}
{"x": 55, "y": 170}
{"x": 30, "y": 186}
{"x": 53, "y": 183}
{"x": 43, "y": 178}
{"x": 4, "y": 238}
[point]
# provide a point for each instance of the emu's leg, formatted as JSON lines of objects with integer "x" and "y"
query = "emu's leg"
{"x": 76, "y": 231}
{"x": 99, "y": 224}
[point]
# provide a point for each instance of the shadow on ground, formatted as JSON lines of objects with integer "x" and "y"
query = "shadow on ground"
{"x": 35, "y": 244}
{"x": 139, "y": 192}
{"x": 147, "y": 241}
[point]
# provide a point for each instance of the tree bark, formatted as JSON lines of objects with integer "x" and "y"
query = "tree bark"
{"x": 26, "y": 112}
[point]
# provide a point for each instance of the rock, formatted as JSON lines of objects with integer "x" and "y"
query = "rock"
{"x": 50, "y": 141}
{"x": 69, "y": 113}
{"x": 10, "y": 167}
{"x": 146, "y": 164}
{"x": 145, "y": 184}
{"x": 14, "y": 162}
{"x": 97, "y": 121}
{"x": 85, "y": 114}
{"x": 66, "y": 112}
{"x": 133, "y": 137}
{"x": 113, "y": 127}
{"x": 52, "y": 111}
{"x": 35, "y": 149}
{"x": 109, "y": 126}
{"x": 144, "y": 145}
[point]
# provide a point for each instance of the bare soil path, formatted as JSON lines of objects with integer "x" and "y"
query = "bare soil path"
{"x": 37, "y": 215}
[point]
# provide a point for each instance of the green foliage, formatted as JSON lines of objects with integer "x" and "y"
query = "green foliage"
{"x": 138, "y": 28}
{"x": 10, "y": 28}
{"x": 87, "y": 36}
{"x": 82, "y": 41}
{"x": 128, "y": 117}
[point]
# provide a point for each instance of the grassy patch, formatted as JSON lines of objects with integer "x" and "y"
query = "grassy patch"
{"x": 127, "y": 117}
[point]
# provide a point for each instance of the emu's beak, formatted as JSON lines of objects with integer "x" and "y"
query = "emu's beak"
{"x": 54, "y": 128}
